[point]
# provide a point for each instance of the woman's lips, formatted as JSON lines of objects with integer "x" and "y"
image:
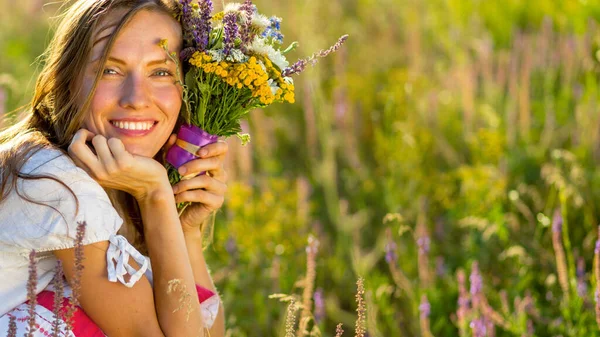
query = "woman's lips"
{"x": 131, "y": 132}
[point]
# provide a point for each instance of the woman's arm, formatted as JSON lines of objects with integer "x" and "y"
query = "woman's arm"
{"x": 142, "y": 310}
{"x": 118, "y": 310}
{"x": 178, "y": 311}
{"x": 193, "y": 242}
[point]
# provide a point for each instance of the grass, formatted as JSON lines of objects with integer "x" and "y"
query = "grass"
{"x": 452, "y": 137}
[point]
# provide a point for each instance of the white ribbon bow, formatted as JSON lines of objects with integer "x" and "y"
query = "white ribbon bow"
{"x": 118, "y": 253}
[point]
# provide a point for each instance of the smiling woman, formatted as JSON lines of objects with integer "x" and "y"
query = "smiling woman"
{"x": 84, "y": 168}
{"x": 137, "y": 96}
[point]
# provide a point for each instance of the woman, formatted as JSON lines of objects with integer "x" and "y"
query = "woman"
{"x": 89, "y": 152}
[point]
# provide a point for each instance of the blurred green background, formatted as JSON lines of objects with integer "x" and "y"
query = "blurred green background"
{"x": 447, "y": 154}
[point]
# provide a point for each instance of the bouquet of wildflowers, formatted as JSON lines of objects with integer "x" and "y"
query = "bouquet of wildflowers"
{"x": 233, "y": 62}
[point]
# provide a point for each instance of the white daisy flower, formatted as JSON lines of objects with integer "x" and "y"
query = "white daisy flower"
{"x": 258, "y": 46}
{"x": 232, "y": 7}
{"x": 260, "y": 22}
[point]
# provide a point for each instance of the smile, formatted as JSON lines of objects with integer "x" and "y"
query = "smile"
{"x": 131, "y": 128}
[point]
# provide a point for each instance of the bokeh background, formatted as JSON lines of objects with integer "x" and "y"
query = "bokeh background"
{"x": 447, "y": 155}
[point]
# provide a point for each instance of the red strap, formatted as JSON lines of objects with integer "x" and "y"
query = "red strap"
{"x": 203, "y": 293}
{"x": 83, "y": 326}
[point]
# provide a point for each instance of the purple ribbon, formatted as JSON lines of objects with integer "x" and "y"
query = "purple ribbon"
{"x": 192, "y": 134}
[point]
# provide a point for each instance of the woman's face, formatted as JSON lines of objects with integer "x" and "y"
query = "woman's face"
{"x": 137, "y": 99}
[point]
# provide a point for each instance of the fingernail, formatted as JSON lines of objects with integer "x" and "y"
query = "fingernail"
{"x": 182, "y": 170}
{"x": 203, "y": 152}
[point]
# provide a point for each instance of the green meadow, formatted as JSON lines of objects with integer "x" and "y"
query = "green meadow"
{"x": 447, "y": 155}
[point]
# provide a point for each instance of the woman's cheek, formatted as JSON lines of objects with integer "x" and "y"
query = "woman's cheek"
{"x": 169, "y": 100}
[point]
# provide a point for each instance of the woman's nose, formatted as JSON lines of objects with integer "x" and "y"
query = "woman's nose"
{"x": 135, "y": 95}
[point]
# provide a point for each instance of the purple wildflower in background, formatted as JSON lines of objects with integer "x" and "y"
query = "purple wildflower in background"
{"x": 597, "y": 248}
{"x": 300, "y": 65}
{"x": 440, "y": 266}
{"x": 390, "y": 252}
{"x": 478, "y": 327}
{"x": 231, "y": 32}
{"x": 231, "y": 246}
{"x": 557, "y": 221}
{"x": 425, "y": 307}
{"x": 319, "y": 305}
{"x": 475, "y": 279}
{"x": 581, "y": 285}
{"x": 424, "y": 244}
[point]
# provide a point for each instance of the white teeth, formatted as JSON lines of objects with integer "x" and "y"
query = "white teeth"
{"x": 133, "y": 125}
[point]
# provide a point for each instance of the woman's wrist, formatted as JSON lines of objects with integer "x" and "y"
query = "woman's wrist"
{"x": 156, "y": 196}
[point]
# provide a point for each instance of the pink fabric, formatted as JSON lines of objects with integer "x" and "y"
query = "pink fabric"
{"x": 203, "y": 293}
{"x": 83, "y": 326}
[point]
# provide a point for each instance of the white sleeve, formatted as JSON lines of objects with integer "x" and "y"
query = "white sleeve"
{"x": 49, "y": 220}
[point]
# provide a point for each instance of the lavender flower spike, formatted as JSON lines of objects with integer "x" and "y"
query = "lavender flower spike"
{"x": 231, "y": 32}
{"x": 476, "y": 281}
{"x": 205, "y": 8}
{"x": 246, "y": 35}
{"x": 300, "y": 65}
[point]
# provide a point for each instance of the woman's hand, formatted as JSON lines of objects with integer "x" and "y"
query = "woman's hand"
{"x": 113, "y": 167}
{"x": 207, "y": 191}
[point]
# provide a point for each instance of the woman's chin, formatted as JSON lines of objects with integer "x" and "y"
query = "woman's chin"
{"x": 139, "y": 151}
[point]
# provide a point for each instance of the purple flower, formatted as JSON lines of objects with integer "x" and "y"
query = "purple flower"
{"x": 296, "y": 68}
{"x": 319, "y": 305}
{"x": 390, "y": 252}
{"x": 247, "y": 9}
{"x": 196, "y": 26}
{"x": 205, "y": 8}
{"x": 557, "y": 221}
{"x": 440, "y": 266}
{"x": 231, "y": 246}
{"x": 424, "y": 307}
{"x": 597, "y": 249}
{"x": 478, "y": 327}
{"x": 581, "y": 285}
{"x": 300, "y": 65}
{"x": 424, "y": 243}
{"x": 231, "y": 32}
{"x": 476, "y": 281}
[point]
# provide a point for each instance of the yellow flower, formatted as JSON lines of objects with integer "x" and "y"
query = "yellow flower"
{"x": 163, "y": 43}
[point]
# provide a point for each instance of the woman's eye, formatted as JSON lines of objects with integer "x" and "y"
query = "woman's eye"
{"x": 163, "y": 72}
{"x": 108, "y": 71}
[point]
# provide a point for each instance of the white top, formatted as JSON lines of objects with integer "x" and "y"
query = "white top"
{"x": 26, "y": 226}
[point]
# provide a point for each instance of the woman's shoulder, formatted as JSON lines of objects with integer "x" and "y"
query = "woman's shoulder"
{"x": 51, "y": 197}
{"x": 50, "y": 160}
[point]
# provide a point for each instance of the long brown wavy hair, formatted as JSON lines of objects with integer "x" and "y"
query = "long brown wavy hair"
{"x": 54, "y": 114}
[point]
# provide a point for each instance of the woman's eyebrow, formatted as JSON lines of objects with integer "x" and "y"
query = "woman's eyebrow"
{"x": 123, "y": 63}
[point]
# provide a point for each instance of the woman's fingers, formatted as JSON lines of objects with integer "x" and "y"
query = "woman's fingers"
{"x": 206, "y": 182}
{"x": 80, "y": 152}
{"x": 105, "y": 156}
{"x": 211, "y": 160}
{"x": 211, "y": 201}
{"x": 219, "y": 148}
